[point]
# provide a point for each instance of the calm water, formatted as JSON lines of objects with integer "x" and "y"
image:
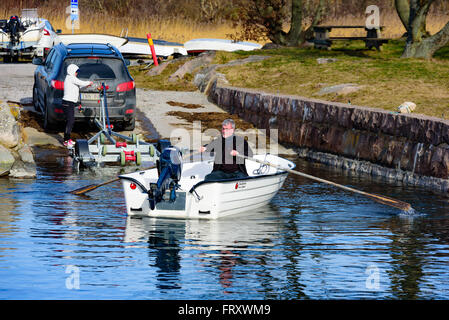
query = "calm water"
{"x": 312, "y": 242}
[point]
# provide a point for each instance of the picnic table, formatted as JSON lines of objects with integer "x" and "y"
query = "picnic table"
{"x": 373, "y": 38}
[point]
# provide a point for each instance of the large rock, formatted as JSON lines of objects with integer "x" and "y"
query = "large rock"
{"x": 192, "y": 65}
{"x": 340, "y": 89}
{"x": 9, "y": 129}
{"x": 33, "y": 137}
{"x": 208, "y": 75}
{"x": 6, "y": 160}
{"x": 157, "y": 70}
{"x": 23, "y": 170}
{"x": 26, "y": 154}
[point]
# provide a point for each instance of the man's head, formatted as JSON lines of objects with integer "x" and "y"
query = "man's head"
{"x": 227, "y": 128}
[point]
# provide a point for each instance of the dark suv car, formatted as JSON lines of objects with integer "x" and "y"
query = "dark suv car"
{"x": 100, "y": 63}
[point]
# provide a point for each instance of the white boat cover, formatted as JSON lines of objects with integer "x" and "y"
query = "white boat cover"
{"x": 197, "y": 45}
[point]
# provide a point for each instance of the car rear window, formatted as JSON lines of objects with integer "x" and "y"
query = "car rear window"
{"x": 97, "y": 68}
{"x": 100, "y": 70}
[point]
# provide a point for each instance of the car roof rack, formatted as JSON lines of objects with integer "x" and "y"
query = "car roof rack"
{"x": 90, "y": 48}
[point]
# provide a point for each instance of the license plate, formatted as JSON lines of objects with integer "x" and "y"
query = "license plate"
{"x": 90, "y": 96}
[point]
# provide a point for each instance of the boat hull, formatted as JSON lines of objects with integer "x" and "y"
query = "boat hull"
{"x": 201, "y": 45}
{"x": 92, "y": 38}
{"x": 199, "y": 199}
{"x": 140, "y": 47}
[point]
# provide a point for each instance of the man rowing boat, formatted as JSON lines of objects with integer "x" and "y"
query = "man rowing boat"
{"x": 226, "y": 148}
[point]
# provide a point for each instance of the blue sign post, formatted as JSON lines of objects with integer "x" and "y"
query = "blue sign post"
{"x": 74, "y": 12}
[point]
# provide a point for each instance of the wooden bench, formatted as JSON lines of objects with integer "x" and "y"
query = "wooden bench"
{"x": 373, "y": 38}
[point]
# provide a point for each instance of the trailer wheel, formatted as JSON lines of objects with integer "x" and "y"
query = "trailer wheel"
{"x": 76, "y": 166}
{"x": 138, "y": 158}
{"x": 82, "y": 153}
{"x": 122, "y": 158}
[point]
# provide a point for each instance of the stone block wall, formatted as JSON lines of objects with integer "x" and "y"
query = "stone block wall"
{"x": 414, "y": 144}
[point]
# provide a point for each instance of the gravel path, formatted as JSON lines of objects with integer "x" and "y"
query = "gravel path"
{"x": 16, "y": 81}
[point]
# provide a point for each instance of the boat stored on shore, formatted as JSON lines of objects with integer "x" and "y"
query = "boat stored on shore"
{"x": 187, "y": 195}
{"x": 196, "y": 46}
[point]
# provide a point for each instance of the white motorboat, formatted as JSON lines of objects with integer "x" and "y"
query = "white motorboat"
{"x": 201, "y": 45}
{"x": 186, "y": 195}
{"x": 23, "y": 37}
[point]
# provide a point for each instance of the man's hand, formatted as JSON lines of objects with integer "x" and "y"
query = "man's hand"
{"x": 234, "y": 153}
{"x": 202, "y": 149}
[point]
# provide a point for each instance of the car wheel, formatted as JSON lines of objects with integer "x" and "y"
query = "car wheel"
{"x": 129, "y": 125}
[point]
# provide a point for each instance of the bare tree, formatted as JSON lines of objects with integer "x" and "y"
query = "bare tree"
{"x": 211, "y": 9}
{"x": 419, "y": 44}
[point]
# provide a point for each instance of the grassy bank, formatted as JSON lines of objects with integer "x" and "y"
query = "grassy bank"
{"x": 385, "y": 78}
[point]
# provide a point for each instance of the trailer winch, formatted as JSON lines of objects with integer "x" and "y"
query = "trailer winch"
{"x": 104, "y": 146}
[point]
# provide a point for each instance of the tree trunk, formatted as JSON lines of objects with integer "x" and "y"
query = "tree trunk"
{"x": 403, "y": 10}
{"x": 419, "y": 43}
{"x": 294, "y": 35}
{"x": 426, "y": 48}
{"x": 297, "y": 35}
{"x": 308, "y": 34}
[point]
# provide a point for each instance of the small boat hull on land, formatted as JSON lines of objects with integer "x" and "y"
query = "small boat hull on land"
{"x": 201, "y": 45}
{"x": 199, "y": 199}
{"x": 92, "y": 38}
{"x": 140, "y": 47}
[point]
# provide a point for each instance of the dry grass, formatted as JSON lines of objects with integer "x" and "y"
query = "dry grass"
{"x": 390, "y": 20}
{"x": 182, "y": 30}
{"x": 171, "y": 29}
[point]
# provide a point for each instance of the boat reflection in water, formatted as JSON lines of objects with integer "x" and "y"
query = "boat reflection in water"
{"x": 217, "y": 245}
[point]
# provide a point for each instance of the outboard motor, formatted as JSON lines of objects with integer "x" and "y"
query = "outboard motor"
{"x": 169, "y": 167}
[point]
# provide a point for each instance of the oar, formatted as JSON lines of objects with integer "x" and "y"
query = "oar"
{"x": 83, "y": 190}
{"x": 379, "y": 198}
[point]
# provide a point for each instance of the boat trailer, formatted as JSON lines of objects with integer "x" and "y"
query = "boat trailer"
{"x": 103, "y": 147}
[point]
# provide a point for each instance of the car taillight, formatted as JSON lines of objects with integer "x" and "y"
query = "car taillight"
{"x": 57, "y": 84}
{"x": 126, "y": 86}
{"x": 46, "y": 32}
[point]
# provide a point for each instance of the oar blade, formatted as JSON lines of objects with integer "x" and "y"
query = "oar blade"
{"x": 84, "y": 189}
{"x": 404, "y": 206}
